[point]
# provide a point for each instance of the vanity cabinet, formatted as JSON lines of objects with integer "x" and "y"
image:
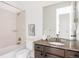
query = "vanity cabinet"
{"x": 47, "y": 52}
{"x": 42, "y": 51}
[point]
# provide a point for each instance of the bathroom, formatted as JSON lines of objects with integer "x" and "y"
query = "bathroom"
{"x": 25, "y": 22}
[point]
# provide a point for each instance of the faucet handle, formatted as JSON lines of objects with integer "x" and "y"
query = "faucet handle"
{"x": 57, "y": 34}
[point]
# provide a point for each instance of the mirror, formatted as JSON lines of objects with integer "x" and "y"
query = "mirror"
{"x": 58, "y": 19}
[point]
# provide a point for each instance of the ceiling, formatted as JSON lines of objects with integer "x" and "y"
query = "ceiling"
{"x": 36, "y": 3}
{"x": 20, "y": 5}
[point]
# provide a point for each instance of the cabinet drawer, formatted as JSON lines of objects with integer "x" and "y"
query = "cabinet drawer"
{"x": 71, "y": 54}
{"x": 38, "y": 54}
{"x": 39, "y": 47}
{"x": 50, "y": 56}
{"x": 55, "y": 51}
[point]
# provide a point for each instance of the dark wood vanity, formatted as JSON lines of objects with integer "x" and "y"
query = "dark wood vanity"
{"x": 43, "y": 49}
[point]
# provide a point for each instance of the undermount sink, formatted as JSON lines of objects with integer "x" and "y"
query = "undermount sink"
{"x": 56, "y": 43}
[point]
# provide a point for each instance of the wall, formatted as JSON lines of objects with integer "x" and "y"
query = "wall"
{"x": 33, "y": 16}
{"x": 49, "y": 20}
{"x": 21, "y": 27}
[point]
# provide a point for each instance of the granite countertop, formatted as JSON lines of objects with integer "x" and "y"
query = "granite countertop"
{"x": 68, "y": 44}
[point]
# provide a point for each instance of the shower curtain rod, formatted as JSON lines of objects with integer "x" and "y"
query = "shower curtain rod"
{"x": 11, "y": 5}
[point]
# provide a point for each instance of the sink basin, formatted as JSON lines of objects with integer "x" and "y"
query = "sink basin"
{"x": 56, "y": 43}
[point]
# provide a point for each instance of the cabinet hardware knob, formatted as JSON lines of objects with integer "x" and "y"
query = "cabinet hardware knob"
{"x": 38, "y": 47}
{"x": 45, "y": 54}
{"x": 41, "y": 54}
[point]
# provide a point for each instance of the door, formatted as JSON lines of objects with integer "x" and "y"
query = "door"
{"x": 39, "y": 54}
{"x": 7, "y": 28}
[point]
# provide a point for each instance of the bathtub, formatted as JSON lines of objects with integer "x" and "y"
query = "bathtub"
{"x": 16, "y": 51}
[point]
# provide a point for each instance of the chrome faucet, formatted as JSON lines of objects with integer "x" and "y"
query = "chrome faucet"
{"x": 57, "y": 39}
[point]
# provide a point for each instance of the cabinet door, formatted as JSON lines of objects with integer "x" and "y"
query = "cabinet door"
{"x": 71, "y": 54}
{"x": 38, "y": 47}
{"x": 38, "y": 54}
{"x": 55, "y": 51}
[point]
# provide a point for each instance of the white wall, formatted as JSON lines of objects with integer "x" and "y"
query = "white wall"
{"x": 49, "y": 20}
{"x": 33, "y": 16}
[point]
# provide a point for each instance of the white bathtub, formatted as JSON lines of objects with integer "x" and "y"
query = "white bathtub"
{"x": 16, "y": 51}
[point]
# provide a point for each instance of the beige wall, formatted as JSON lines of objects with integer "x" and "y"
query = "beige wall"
{"x": 21, "y": 27}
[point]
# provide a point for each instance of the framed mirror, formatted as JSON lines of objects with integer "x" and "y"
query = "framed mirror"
{"x": 59, "y": 19}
